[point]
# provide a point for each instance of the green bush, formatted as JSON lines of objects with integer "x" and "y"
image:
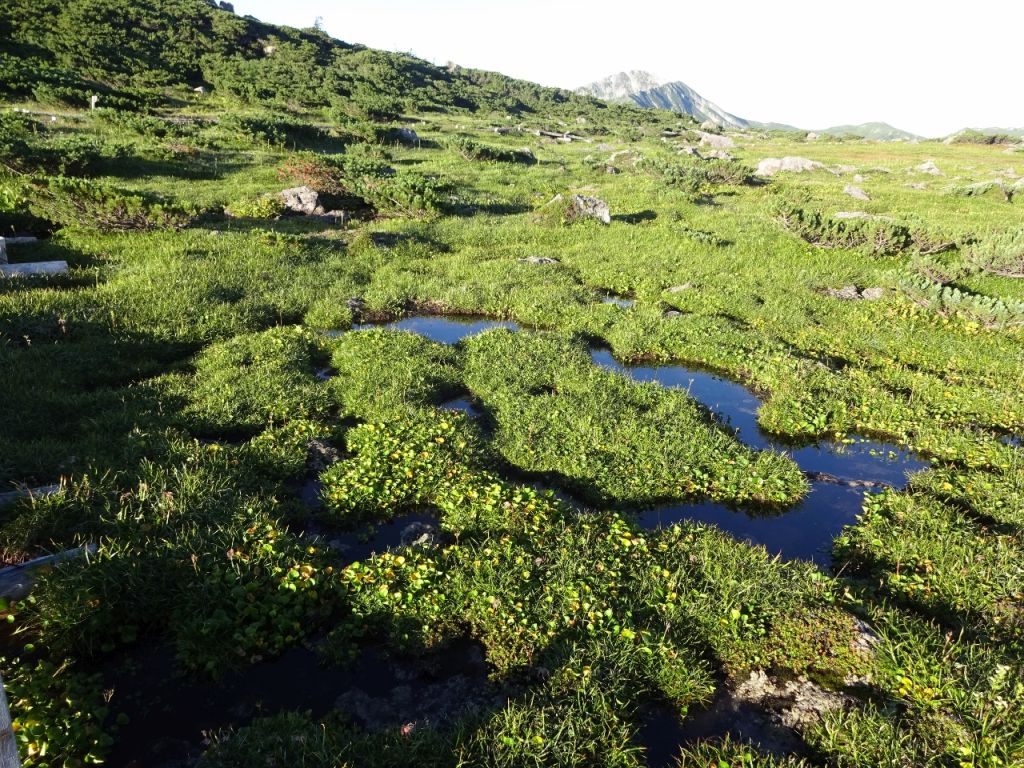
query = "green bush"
{"x": 258, "y": 207}
{"x": 1001, "y": 254}
{"x": 80, "y": 203}
{"x": 473, "y": 150}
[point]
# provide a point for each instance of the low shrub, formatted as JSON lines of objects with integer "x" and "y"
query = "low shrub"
{"x": 80, "y": 203}
{"x": 469, "y": 149}
{"x": 1001, "y": 254}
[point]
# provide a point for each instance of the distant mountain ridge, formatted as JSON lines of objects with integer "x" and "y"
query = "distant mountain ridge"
{"x": 875, "y": 130}
{"x": 645, "y": 90}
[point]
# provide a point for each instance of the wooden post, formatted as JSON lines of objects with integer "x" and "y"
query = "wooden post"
{"x": 8, "y": 744}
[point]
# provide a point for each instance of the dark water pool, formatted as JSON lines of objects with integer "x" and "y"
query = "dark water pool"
{"x": 618, "y": 301}
{"x": 463, "y": 405}
{"x": 171, "y": 715}
{"x": 840, "y": 473}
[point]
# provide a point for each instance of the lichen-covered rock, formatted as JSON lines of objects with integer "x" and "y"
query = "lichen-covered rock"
{"x": 302, "y": 200}
{"x": 928, "y": 166}
{"x": 584, "y": 207}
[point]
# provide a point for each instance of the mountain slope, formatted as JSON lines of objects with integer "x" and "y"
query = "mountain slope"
{"x": 144, "y": 55}
{"x": 644, "y": 90}
{"x": 875, "y": 130}
{"x": 621, "y": 87}
{"x": 679, "y": 97}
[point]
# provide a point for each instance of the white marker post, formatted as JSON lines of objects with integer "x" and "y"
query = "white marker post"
{"x": 93, "y": 100}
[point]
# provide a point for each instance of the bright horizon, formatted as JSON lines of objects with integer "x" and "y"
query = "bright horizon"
{"x": 808, "y": 64}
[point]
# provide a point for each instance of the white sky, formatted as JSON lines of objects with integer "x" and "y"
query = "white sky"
{"x": 927, "y": 67}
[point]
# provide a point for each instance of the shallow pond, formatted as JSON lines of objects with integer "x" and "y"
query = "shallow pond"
{"x": 839, "y": 473}
{"x": 447, "y": 330}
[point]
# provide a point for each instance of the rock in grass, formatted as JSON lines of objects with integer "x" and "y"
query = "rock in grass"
{"x": 853, "y": 293}
{"x": 584, "y": 207}
{"x": 679, "y": 288}
{"x": 772, "y": 165}
{"x": 302, "y": 200}
{"x": 715, "y": 141}
{"x": 855, "y": 192}
{"x": 407, "y": 136}
{"x": 928, "y": 166}
{"x": 423, "y": 535}
{"x": 538, "y": 260}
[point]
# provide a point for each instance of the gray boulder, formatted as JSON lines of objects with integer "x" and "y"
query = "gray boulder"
{"x": 584, "y": 207}
{"x": 928, "y": 166}
{"x": 302, "y": 200}
{"x": 772, "y": 165}
{"x": 715, "y": 141}
{"x": 407, "y": 136}
{"x": 538, "y": 260}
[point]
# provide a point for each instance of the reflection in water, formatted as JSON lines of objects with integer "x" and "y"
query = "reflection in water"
{"x": 805, "y": 531}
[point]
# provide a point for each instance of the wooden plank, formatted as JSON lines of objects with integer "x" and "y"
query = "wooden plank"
{"x": 8, "y": 744}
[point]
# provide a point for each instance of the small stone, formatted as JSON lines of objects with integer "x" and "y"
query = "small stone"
{"x": 855, "y": 192}
{"x": 422, "y": 535}
{"x": 538, "y": 260}
{"x": 679, "y": 288}
{"x": 673, "y": 313}
{"x": 846, "y": 293}
{"x": 612, "y": 170}
{"x": 320, "y": 455}
{"x": 872, "y": 294}
{"x": 929, "y": 166}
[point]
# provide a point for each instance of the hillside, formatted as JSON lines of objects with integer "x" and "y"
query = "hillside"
{"x": 149, "y": 55}
{"x": 873, "y": 131}
{"x": 361, "y": 412}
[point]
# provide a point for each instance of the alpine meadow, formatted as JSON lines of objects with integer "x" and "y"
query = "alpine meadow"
{"x": 360, "y": 411}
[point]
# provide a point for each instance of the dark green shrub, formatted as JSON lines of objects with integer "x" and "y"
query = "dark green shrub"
{"x": 881, "y": 238}
{"x": 971, "y": 136}
{"x": 474, "y": 150}
{"x": 80, "y": 203}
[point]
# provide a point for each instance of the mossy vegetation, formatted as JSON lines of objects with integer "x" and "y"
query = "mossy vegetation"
{"x": 206, "y": 358}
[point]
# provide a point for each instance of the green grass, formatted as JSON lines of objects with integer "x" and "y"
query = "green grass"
{"x": 170, "y": 379}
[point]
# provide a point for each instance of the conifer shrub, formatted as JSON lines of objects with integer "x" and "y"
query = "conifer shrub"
{"x": 1001, "y": 254}
{"x": 72, "y": 202}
